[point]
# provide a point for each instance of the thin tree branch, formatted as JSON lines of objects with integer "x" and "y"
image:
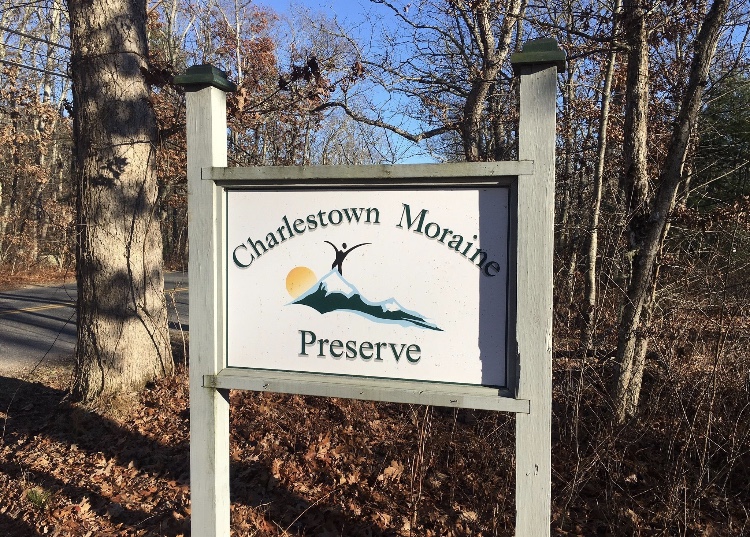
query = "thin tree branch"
{"x": 416, "y": 138}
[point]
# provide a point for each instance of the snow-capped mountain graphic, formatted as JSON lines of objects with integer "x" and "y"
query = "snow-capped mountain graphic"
{"x": 332, "y": 293}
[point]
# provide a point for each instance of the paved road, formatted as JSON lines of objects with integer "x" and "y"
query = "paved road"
{"x": 37, "y": 323}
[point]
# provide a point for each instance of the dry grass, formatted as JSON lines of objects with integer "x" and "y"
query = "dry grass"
{"x": 35, "y": 276}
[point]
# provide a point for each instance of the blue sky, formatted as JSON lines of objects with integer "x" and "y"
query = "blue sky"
{"x": 352, "y": 16}
{"x": 345, "y": 10}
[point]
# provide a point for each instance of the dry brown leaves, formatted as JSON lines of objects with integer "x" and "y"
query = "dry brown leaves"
{"x": 300, "y": 465}
{"x": 35, "y": 276}
{"x": 69, "y": 470}
{"x": 331, "y": 467}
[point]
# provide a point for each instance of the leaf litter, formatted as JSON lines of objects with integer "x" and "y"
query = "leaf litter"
{"x": 307, "y": 466}
{"x": 299, "y": 465}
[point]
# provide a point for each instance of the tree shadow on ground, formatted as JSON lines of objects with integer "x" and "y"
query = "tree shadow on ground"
{"x": 83, "y": 457}
{"x": 17, "y": 528}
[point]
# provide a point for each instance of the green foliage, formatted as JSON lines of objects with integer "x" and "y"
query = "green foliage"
{"x": 722, "y": 161}
{"x": 39, "y": 497}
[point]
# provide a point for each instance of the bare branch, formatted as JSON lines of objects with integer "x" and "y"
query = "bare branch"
{"x": 416, "y": 138}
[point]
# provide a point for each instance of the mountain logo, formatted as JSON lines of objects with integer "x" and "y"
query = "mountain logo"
{"x": 333, "y": 292}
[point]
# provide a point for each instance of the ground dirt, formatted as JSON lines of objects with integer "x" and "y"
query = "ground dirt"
{"x": 305, "y": 466}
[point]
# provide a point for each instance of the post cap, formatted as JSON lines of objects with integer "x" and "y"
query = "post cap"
{"x": 539, "y": 52}
{"x": 198, "y": 77}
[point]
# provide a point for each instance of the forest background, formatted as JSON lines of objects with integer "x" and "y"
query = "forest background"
{"x": 652, "y": 373}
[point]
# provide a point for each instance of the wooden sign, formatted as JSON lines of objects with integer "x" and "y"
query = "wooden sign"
{"x": 425, "y": 284}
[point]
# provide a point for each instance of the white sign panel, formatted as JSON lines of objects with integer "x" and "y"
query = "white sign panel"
{"x": 401, "y": 284}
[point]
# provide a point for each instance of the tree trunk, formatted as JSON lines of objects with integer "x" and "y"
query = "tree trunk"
{"x": 651, "y": 230}
{"x": 590, "y": 291}
{"x": 635, "y": 187}
{"x": 123, "y": 338}
{"x": 494, "y": 52}
{"x": 563, "y": 237}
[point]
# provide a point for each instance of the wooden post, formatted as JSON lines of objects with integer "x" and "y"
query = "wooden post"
{"x": 537, "y": 64}
{"x": 206, "y": 89}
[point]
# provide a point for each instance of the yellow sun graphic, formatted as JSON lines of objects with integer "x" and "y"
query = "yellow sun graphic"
{"x": 299, "y": 280}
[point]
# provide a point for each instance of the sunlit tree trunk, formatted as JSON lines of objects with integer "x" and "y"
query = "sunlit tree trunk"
{"x": 123, "y": 339}
{"x": 590, "y": 290}
{"x": 648, "y": 225}
{"x": 635, "y": 187}
{"x": 494, "y": 49}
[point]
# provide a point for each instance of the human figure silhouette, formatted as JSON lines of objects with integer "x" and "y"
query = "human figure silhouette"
{"x": 341, "y": 254}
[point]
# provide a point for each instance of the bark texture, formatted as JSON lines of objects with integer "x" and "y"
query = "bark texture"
{"x": 648, "y": 225}
{"x": 123, "y": 338}
{"x": 494, "y": 51}
{"x": 636, "y": 190}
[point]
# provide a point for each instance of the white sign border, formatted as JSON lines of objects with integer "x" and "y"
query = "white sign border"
{"x": 500, "y": 356}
